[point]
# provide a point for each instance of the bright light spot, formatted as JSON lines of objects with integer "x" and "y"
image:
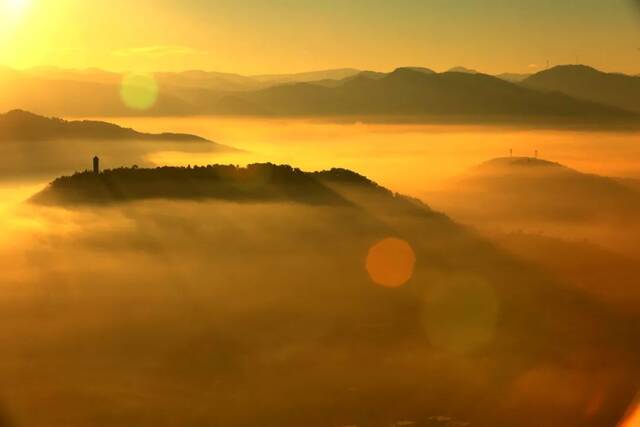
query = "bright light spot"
{"x": 632, "y": 419}
{"x": 12, "y": 15}
{"x": 460, "y": 314}
{"x": 139, "y": 91}
{"x": 391, "y": 262}
{"x": 15, "y": 8}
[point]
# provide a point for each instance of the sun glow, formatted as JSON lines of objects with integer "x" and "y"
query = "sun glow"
{"x": 12, "y": 15}
{"x": 15, "y": 8}
{"x": 632, "y": 419}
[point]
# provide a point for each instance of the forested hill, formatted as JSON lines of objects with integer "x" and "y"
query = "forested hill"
{"x": 256, "y": 182}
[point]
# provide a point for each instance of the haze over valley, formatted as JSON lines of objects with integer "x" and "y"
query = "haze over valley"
{"x": 319, "y": 214}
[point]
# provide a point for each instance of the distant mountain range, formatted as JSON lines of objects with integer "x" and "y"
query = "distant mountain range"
{"x": 582, "y": 82}
{"x": 19, "y": 125}
{"x": 513, "y": 77}
{"x": 465, "y": 70}
{"x": 576, "y": 93}
{"x": 335, "y": 74}
{"x": 411, "y": 92}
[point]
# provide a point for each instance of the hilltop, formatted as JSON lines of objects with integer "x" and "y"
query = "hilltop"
{"x": 19, "y": 125}
{"x": 532, "y": 188}
{"x": 257, "y": 182}
{"x": 587, "y": 83}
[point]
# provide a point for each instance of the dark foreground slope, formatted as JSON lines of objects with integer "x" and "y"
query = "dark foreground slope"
{"x": 18, "y": 125}
{"x": 270, "y": 311}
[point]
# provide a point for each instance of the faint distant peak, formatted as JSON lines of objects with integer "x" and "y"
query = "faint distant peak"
{"x": 309, "y": 76}
{"x": 575, "y": 70}
{"x": 520, "y": 162}
{"x": 374, "y": 75}
{"x": 22, "y": 115}
{"x": 19, "y": 113}
{"x": 410, "y": 72}
{"x": 462, "y": 70}
{"x": 422, "y": 70}
{"x": 514, "y": 77}
{"x": 21, "y": 125}
{"x": 575, "y": 67}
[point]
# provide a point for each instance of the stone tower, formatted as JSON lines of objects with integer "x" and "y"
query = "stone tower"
{"x": 96, "y": 165}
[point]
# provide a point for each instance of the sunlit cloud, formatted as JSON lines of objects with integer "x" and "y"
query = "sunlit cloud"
{"x": 157, "y": 51}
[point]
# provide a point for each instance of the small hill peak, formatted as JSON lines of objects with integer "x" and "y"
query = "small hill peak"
{"x": 571, "y": 69}
{"x": 520, "y": 162}
{"x": 17, "y": 113}
{"x": 422, "y": 70}
{"x": 462, "y": 70}
{"x": 409, "y": 73}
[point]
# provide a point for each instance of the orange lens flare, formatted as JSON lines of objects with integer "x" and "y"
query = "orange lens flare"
{"x": 632, "y": 419}
{"x": 391, "y": 262}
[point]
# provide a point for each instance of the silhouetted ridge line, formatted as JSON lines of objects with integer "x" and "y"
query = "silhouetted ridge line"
{"x": 256, "y": 182}
{"x": 263, "y": 182}
{"x": 415, "y": 94}
{"x": 521, "y": 161}
{"x": 410, "y": 92}
{"x": 587, "y": 83}
{"x": 17, "y": 125}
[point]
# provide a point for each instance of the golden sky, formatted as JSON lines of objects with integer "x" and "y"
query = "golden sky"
{"x": 272, "y": 36}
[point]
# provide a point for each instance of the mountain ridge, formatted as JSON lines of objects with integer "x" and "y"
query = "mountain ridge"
{"x": 540, "y": 189}
{"x": 261, "y": 182}
{"x": 588, "y": 83}
{"x": 406, "y": 91}
{"x": 415, "y": 92}
{"x": 23, "y": 125}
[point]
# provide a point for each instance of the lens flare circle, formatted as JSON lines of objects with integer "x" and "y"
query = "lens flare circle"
{"x": 139, "y": 91}
{"x": 460, "y": 314}
{"x": 391, "y": 262}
